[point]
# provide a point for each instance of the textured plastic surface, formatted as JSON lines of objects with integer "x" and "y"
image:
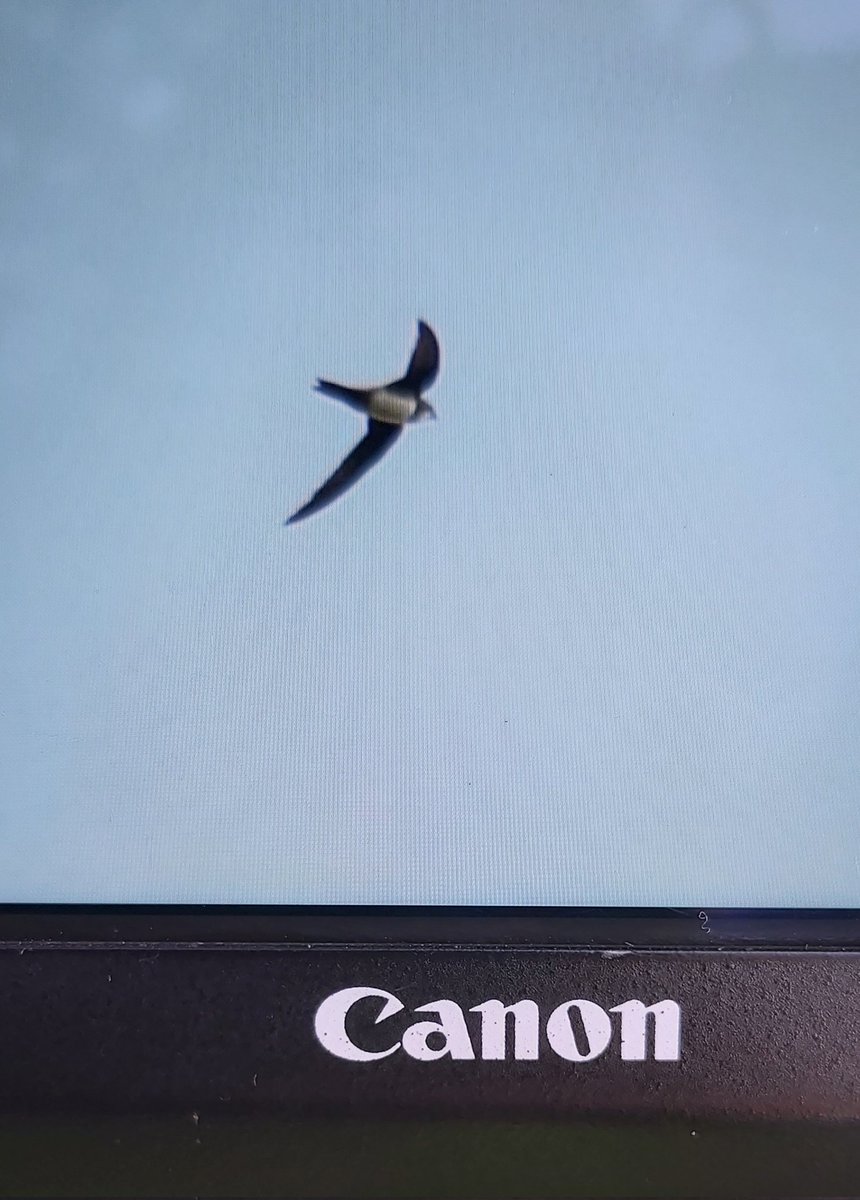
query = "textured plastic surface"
{"x": 157, "y": 1068}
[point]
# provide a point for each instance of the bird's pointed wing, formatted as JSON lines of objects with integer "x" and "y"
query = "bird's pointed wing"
{"x": 424, "y": 363}
{"x": 379, "y": 437}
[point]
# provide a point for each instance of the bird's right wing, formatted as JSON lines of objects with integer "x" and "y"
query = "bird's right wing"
{"x": 379, "y": 437}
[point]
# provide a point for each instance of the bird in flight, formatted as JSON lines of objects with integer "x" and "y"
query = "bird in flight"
{"x": 388, "y": 408}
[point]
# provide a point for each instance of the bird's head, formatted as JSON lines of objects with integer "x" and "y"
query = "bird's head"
{"x": 423, "y": 411}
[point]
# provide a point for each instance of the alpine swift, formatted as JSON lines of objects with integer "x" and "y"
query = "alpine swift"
{"x": 388, "y": 408}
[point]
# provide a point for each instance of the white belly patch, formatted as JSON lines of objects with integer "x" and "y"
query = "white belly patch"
{"x": 391, "y": 407}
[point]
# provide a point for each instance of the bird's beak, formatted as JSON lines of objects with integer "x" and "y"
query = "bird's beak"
{"x": 431, "y": 412}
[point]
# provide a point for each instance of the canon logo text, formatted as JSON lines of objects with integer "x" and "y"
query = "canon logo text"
{"x": 578, "y": 1031}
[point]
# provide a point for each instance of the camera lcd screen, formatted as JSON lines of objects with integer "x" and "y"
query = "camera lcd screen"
{"x": 588, "y": 637}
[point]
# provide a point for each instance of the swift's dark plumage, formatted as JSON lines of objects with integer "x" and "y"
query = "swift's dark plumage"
{"x": 361, "y": 458}
{"x": 423, "y": 365}
{"x": 388, "y": 408}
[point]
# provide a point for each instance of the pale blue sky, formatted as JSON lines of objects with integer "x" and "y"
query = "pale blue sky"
{"x": 589, "y": 638}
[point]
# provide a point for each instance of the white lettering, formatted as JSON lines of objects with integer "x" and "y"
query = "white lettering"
{"x": 596, "y": 1025}
{"x": 493, "y": 1029}
{"x": 645, "y": 1031}
{"x": 330, "y": 1023}
{"x": 451, "y": 1026}
{"x": 634, "y": 1030}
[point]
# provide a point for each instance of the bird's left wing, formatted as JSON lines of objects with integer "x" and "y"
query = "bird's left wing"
{"x": 379, "y": 437}
{"x": 424, "y": 363}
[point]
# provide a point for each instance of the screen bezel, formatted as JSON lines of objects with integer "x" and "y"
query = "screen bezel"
{"x": 655, "y": 928}
{"x": 65, "y": 964}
